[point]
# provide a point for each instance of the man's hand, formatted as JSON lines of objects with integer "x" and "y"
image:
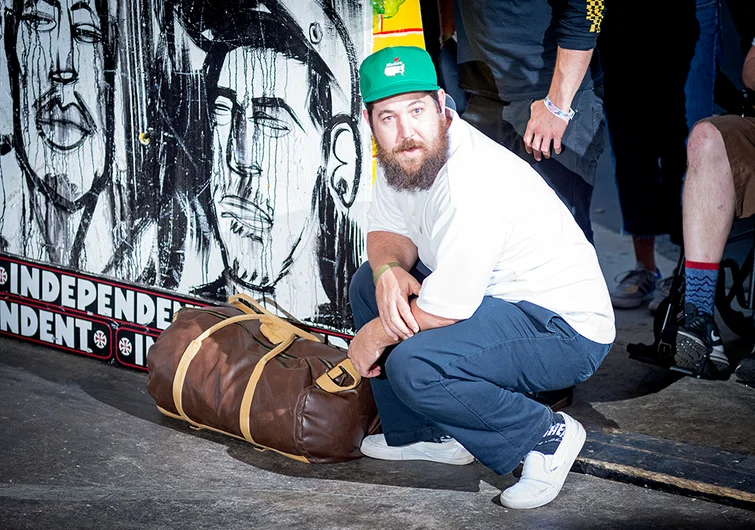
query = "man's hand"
{"x": 392, "y": 292}
{"x": 543, "y": 129}
{"x": 365, "y": 349}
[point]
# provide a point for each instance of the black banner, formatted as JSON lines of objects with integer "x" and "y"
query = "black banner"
{"x": 83, "y": 314}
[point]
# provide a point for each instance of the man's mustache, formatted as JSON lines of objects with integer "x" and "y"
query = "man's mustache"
{"x": 408, "y": 144}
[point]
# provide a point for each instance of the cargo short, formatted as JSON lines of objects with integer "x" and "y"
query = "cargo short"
{"x": 739, "y": 138}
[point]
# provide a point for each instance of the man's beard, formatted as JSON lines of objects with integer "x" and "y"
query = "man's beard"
{"x": 422, "y": 178}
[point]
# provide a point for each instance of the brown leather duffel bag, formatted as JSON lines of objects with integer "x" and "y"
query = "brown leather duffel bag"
{"x": 244, "y": 372}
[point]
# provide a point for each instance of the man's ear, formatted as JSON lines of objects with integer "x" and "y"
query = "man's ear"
{"x": 342, "y": 158}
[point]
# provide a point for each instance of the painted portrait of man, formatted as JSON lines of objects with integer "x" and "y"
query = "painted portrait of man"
{"x": 67, "y": 204}
{"x": 285, "y": 160}
{"x": 60, "y": 68}
{"x": 258, "y": 124}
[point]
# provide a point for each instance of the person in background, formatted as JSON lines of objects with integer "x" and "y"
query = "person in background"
{"x": 650, "y": 162}
{"x": 720, "y": 187}
{"x": 534, "y": 85}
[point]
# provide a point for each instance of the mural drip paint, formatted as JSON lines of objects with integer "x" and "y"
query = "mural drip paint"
{"x": 279, "y": 88}
{"x": 60, "y": 69}
{"x": 66, "y": 202}
{"x": 205, "y": 147}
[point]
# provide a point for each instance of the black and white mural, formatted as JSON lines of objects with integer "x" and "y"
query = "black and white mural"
{"x": 203, "y": 147}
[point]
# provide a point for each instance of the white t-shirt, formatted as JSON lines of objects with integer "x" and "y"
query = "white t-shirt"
{"x": 491, "y": 226}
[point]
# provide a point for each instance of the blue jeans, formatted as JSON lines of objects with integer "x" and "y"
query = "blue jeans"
{"x": 702, "y": 73}
{"x": 470, "y": 380}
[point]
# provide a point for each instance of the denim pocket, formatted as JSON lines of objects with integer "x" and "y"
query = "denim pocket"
{"x": 546, "y": 320}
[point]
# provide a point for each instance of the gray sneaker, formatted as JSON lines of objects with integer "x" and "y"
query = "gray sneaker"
{"x": 663, "y": 292}
{"x": 634, "y": 288}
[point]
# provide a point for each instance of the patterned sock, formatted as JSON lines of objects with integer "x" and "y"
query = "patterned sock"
{"x": 700, "y": 280}
{"x": 552, "y": 437}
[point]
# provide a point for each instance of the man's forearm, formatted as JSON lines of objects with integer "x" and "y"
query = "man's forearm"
{"x": 385, "y": 247}
{"x": 427, "y": 320}
{"x": 571, "y": 66}
{"x": 377, "y": 336}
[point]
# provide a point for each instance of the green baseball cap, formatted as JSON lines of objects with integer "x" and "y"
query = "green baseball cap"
{"x": 396, "y": 70}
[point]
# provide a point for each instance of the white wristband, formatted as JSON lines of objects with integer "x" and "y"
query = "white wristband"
{"x": 566, "y": 116}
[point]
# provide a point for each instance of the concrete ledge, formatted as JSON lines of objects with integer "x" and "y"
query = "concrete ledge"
{"x": 670, "y": 466}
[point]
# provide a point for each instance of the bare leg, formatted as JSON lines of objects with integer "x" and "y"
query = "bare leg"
{"x": 644, "y": 251}
{"x": 708, "y": 197}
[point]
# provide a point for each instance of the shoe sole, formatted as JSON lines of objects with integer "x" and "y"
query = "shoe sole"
{"x": 551, "y": 493}
{"x": 690, "y": 351}
{"x": 461, "y": 458}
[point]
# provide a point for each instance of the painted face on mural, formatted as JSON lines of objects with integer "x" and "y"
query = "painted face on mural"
{"x": 266, "y": 154}
{"x": 60, "y": 53}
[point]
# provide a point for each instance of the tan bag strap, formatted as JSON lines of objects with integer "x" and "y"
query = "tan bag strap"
{"x": 191, "y": 351}
{"x": 261, "y": 448}
{"x": 274, "y": 327}
{"x": 327, "y": 381}
{"x": 279, "y": 326}
{"x": 246, "y": 400}
{"x": 235, "y": 299}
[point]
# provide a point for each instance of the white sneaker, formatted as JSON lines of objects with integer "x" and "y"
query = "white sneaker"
{"x": 543, "y": 475}
{"x": 446, "y": 451}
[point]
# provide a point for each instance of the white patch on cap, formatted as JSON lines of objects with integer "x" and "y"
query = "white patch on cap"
{"x": 394, "y": 68}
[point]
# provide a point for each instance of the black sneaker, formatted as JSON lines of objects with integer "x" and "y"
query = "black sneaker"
{"x": 745, "y": 371}
{"x": 697, "y": 337}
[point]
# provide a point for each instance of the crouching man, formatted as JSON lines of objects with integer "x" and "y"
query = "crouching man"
{"x": 480, "y": 288}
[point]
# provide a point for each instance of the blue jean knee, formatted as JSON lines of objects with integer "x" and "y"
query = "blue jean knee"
{"x": 362, "y": 296}
{"x": 471, "y": 379}
{"x": 362, "y": 291}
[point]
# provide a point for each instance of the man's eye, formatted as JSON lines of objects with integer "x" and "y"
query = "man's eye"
{"x": 388, "y": 119}
{"x": 417, "y": 111}
{"x": 39, "y": 21}
{"x": 222, "y": 114}
{"x": 88, "y": 33}
{"x": 274, "y": 123}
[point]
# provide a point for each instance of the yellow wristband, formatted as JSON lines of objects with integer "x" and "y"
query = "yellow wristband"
{"x": 380, "y": 270}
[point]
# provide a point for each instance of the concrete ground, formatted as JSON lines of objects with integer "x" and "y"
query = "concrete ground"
{"x": 84, "y": 447}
